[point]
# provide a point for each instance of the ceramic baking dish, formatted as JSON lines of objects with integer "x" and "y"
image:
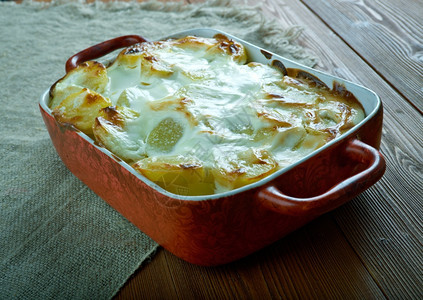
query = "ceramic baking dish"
{"x": 220, "y": 228}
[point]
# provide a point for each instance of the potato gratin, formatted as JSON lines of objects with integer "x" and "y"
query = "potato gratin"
{"x": 195, "y": 117}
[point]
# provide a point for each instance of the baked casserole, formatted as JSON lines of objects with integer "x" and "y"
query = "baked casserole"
{"x": 197, "y": 117}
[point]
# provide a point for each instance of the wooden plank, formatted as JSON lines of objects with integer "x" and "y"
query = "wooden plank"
{"x": 312, "y": 264}
{"x": 388, "y": 34}
{"x": 309, "y": 263}
{"x": 392, "y": 254}
{"x": 152, "y": 280}
{"x": 392, "y": 210}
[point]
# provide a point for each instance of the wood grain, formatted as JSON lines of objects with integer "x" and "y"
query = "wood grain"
{"x": 386, "y": 34}
{"x": 307, "y": 264}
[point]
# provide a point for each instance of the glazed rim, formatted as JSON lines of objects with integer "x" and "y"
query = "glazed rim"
{"x": 367, "y": 98}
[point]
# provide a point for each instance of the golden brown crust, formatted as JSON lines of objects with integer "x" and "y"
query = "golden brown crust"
{"x": 192, "y": 116}
{"x": 80, "y": 109}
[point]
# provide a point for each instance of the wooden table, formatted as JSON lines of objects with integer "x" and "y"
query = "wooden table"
{"x": 372, "y": 246}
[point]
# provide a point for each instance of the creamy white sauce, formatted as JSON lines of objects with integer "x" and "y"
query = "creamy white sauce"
{"x": 219, "y": 108}
{"x": 223, "y": 100}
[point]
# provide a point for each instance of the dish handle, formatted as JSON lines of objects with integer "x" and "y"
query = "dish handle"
{"x": 356, "y": 151}
{"x": 102, "y": 49}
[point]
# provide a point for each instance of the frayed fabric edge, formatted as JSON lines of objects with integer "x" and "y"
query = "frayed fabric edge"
{"x": 282, "y": 40}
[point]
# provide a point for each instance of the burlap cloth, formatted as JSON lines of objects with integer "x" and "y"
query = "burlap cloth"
{"x": 57, "y": 238}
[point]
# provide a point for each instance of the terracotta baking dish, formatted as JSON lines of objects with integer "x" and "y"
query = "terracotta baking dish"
{"x": 220, "y": 228}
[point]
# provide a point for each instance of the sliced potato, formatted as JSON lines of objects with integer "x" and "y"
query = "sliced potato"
{"x": 153, "y": 66}
{"x": 288, "y": 138}
{"x": 80, "y": 109}
{"x": 229, "y": 48}
{"x": 90, "y": 74}
{"x": 314, "y": 139}
{"x": 61, "y": 94}
{"x": 118, "y": 115}
{"x": 177, "y": 174}
{"x": 109, "y": 131}
{"x": 130, "y": 57}
{"x": 142, "y": 55}
{"x": 164, "y": 136}
{"x": 209, "y": 49}
{"x": 248, "y": 167}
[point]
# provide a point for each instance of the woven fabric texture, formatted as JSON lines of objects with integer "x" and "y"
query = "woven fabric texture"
{"x": 58, "y": 239}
